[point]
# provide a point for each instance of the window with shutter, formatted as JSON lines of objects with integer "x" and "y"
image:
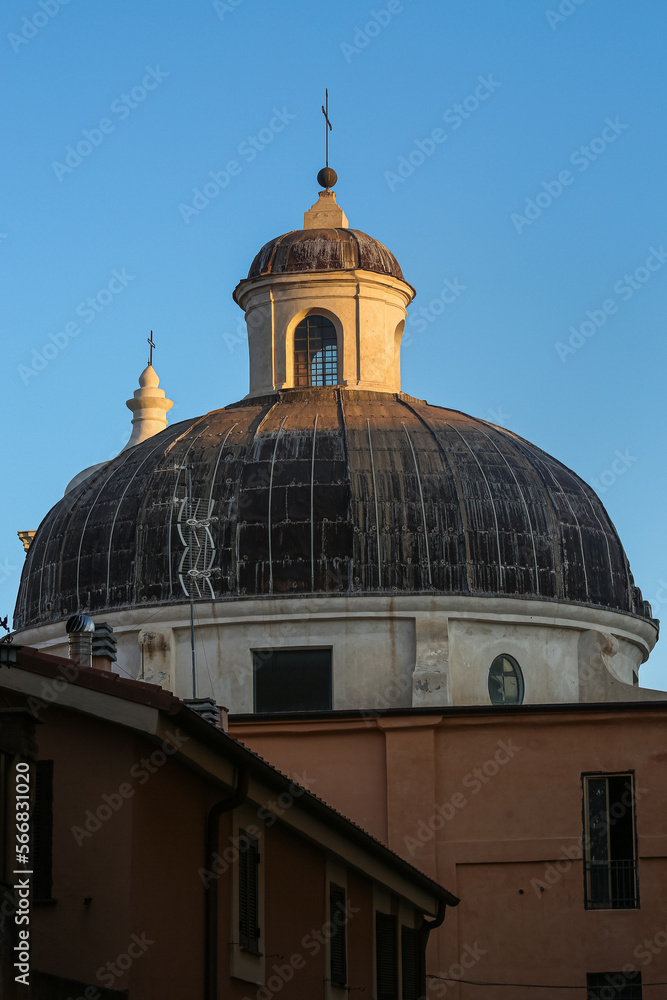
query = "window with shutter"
{"x": 411, "y": 973}
{"x": 337, "y": 942}
{"x": 42, "y": 831}
{"x": 248, "y": 892}
{"x": 386, "y": 956}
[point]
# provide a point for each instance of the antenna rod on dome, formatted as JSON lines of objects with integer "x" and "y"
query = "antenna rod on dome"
{"x": 151, "y": 345}
{"x": 191, "y": 522}
{"x": 328, "y": 127}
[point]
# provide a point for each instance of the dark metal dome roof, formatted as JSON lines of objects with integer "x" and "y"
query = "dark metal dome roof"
{"x": 327, "y": 491}
{"x": 324, "y": 250}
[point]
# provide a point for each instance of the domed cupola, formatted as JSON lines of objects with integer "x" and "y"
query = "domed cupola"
{"x": 324, "y": 250}
{"x": 324, "y": 305}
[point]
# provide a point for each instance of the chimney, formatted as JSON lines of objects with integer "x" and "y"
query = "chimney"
{"x": 80, "y": 629}
{"x": 104, "y": 646}
{"x": 210, "y": 712}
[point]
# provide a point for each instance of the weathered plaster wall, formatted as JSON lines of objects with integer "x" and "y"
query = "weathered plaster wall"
{"x": 387, "y": 652}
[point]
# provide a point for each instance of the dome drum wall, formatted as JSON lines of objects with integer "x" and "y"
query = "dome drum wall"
{"x": 387, "y": 651}
{"x": 368, "y": 311}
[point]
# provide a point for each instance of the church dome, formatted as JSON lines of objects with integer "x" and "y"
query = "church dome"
{"x": 324, "y": 250}
{"x": 326, "y": 491}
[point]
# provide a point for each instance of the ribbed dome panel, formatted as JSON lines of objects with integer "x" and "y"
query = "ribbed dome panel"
{"x": 327, "y": 491}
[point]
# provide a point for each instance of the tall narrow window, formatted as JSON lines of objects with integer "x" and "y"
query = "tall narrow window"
{"x": 386, "y": 956}
{"x": 337, "y": 941}
{"x": 610, "y": 842}
{"x": 248, "y": 892}
{"x": 292, "y": 680}
{"x": 315, "y": 352}
{"x": 616, "y": 985}
{"x": 505, "y": 681}
{"x": 412, "y": 980}
{"x": 42, "y": 826}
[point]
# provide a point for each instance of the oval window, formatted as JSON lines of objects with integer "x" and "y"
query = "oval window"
{"x": 505, "y": 681}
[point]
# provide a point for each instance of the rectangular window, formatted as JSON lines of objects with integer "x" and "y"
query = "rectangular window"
{"x": 614, "y": 985}
{"x": 42, "y": 827}
{"x": 411, "y": 965}
{"x": 386, "y": 956}
{"x": 337, "y": 942}
{"x": 248, "y": 893}
{"x": 292, "y": 680}
{"x": 610, "y": 842}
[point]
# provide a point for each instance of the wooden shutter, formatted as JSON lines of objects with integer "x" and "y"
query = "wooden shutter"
{"x": 248, "y": 892}
{"x": 386, "y": 956}
{"x": 411, "y": 978}
{"x": 337, "y": 940}
{"x": 42, "y": 831}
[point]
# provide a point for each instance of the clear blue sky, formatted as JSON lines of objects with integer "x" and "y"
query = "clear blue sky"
{"x": 567, "y": 106}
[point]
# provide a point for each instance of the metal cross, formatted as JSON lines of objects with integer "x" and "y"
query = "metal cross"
{"x": 149, "y": 341}
{"x": 328, "y": 127}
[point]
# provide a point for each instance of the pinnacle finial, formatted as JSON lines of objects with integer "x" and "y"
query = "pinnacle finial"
{"x": 148, "y": 405}
{"x": 327, "y": 177}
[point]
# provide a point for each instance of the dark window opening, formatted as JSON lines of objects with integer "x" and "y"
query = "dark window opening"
{"x": 248, "y": 892}
{"x": 505, "y": 681}
{"x": 292, "y": 680}
{"x": 412, "y": 978}
{"x": 315, "y": 352}
{"x": 610, "y": 843}
{"x": 614, "y": 985}
{"x": 42, "y": 827}
{"x": 337, "y": 944}
{"x": 386, "y": 956}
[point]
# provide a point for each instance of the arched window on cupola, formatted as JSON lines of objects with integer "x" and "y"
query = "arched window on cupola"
{"x": 315, "y": 352}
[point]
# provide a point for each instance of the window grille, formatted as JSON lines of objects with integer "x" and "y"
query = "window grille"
{"x": 315, "y": 352}
{"x": 610, "y": 843}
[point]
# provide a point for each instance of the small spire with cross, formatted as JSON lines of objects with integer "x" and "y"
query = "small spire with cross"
{"x": 149, "y": 404}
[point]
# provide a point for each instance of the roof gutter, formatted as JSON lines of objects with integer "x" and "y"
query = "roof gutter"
{"x": 424, "y": 932}
{"x": 237, "y": 798}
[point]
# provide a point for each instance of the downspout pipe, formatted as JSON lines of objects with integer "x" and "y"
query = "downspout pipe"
{"x": 237, "y": 798}
{"x": 424, "y": 931}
